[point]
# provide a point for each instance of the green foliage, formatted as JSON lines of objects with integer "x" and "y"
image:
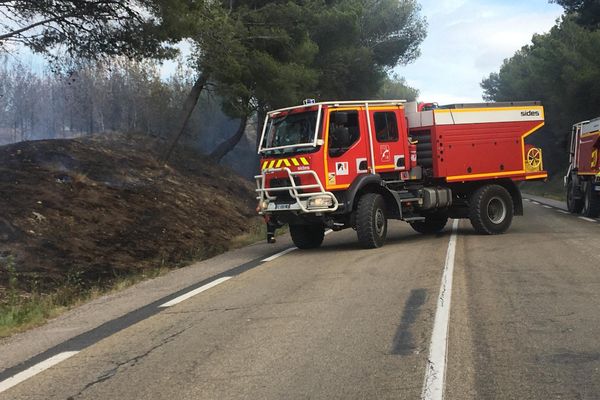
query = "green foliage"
{"x": 277, "y": 53}
{"x": 360, "y": 40}
{"x": 395, "y": 88}
{"x": 88, "y": 28}
{"x": 586, "y": 12}
{"x": 561, "y": 69}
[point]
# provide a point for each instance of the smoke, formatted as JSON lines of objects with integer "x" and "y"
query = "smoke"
{"x": 79, "y": 98}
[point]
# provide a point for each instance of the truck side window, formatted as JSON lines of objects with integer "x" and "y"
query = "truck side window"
{"x": 386, "y": 126}
{"x": 343, "y": 131}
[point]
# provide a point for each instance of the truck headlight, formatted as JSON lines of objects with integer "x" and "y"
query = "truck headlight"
{"x": 320, "y": 202}
{"x": 264, "y": 205}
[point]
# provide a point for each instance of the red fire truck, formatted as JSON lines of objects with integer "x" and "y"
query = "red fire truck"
{"x": 582, "y": 181}
{"x": 357, "y": 164}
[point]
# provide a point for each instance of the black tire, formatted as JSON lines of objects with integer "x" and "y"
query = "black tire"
{"x": 433, "y": 223}
{"x": 591, "y": 202}
{"x": 574, "y": 205}
{"x": 491, "y": 210}
{"x": 307, "y": 236}
{"x": 371, "y": 221}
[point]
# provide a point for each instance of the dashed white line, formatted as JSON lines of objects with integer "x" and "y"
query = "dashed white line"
{"x": 435, "y": 374}
{"x": 527, "y": 199}
{"x": 52, "y": 361}
{"x": 588, "y": 219}
{"x": 194, "y": 292}
{"x": 535, "y": 202}
{"x": 284, "y": 252}
{"x": 545, "y": 206}
{"x": 563, "y": 211}
{"x": 281, "y": 253}
{"x": 36, "y": 369}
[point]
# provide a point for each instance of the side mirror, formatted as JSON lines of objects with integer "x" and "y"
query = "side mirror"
{"x": 339, "y": 118}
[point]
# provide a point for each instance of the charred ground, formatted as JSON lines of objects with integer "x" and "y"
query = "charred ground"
{"x": 97, "y": 208}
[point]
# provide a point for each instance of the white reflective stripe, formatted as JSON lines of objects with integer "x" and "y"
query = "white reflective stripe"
{"x": 466, "y": 116}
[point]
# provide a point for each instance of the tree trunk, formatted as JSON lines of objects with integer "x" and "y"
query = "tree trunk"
{"x": 261, "y": 114}
{"x": 228, "y": 145}
{"x": 186, "y": 112}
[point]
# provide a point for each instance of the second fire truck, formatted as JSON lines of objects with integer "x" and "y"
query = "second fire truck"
{"x": 582, "y": 180}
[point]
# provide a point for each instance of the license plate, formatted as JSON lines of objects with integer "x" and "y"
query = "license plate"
{"x": 283, "y": 206}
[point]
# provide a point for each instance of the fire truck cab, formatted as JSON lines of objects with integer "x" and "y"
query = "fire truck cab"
{"x": 358, "y": 164}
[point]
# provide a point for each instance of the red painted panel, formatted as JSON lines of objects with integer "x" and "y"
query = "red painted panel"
{"x": 479, "y": 148}
{"x": 587, "y": 145}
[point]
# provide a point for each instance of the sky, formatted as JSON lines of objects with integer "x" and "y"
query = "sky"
{"x": 469, "y": 39}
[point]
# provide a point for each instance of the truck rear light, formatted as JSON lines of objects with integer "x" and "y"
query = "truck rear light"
{"x": 320, "y": 202}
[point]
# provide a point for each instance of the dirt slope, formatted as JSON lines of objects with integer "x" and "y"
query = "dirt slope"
{"x": 92, "y": 209}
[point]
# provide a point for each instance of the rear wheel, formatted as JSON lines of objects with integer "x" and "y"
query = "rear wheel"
{"x": 574, "y": 204}
{"x": 307, "y": 236}
{"x": 371, "y": 221}
{"x": 591, "y": 202}
{"x": 432, "y": 224}
{"x": 491, "y": 210}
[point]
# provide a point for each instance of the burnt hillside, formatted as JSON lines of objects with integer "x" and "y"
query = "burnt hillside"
{"x": 95, "y": 208}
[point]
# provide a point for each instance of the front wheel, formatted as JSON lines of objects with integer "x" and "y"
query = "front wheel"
{"x": 432, "y": 224}
{"x": 307, "y": 236}
{"x": 371, "y": 221}
{"x": 491, "y": 210}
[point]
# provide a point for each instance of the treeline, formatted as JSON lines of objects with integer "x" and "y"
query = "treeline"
{"x": 78, "y": 98}
{"x": 115, "y": 95}
{"x": 254, "y": 55}
{"x": 82, "y": 97}
{"x": 561, "y": 69}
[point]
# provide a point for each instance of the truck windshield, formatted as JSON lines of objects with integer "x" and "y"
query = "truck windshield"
{"x": 291, "y": 133}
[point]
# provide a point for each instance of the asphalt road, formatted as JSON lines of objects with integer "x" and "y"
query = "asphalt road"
{"x": 345, "y": 323}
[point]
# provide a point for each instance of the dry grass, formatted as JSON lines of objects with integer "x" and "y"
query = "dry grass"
{"x": 20, "y": 311}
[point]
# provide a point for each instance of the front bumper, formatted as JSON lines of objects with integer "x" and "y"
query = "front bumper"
{"x": 300, "y": 195}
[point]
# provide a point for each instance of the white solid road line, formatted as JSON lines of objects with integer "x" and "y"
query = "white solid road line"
{"x": 435, "y": 374}
{"x": 194, "y": 292}
{"x": 588, "y": 219}
{"x": 281, "y": 253}
{"x": 36, "y": 369}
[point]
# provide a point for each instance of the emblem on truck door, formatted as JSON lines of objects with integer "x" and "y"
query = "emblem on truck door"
{"x": 341, "y": 168}
{"x": 384, "y": 152}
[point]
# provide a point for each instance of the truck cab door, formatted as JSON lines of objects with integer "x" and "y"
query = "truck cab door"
{"x": 346, "y": 150}
{"x": 389, "y": 140}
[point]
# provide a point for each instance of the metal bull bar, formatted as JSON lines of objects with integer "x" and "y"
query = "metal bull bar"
{"x": 294, "y": 191}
